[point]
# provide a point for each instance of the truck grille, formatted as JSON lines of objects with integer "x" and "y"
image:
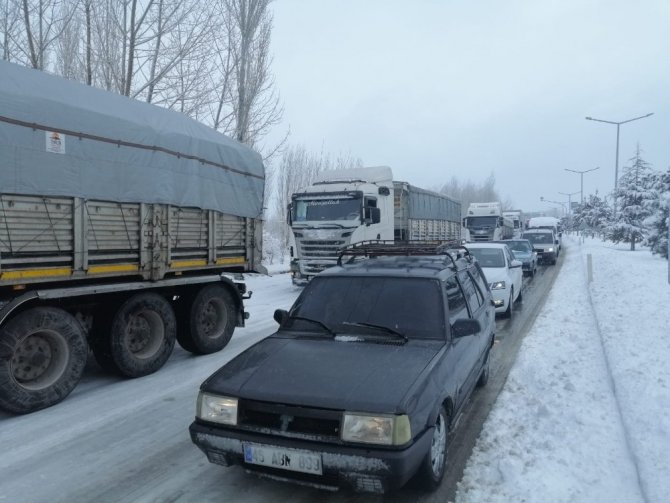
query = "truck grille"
{"x": 481, "y": 237}
{"x": 319, "y": 255}
{"x": 290, "y": 421}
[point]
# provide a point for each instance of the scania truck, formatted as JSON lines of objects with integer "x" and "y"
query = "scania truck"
{"x": 124, "y": 227}
{"x": 344, "y": 207}
{"x": 486, "y": 222}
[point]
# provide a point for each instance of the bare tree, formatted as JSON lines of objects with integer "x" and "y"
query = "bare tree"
{"x": 10, "y": 20}
{"x": 248, "y": 104}
{"x": 43, "y": 23}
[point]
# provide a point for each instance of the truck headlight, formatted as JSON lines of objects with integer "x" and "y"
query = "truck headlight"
{"x": 498, "y": 285}
{"x": 218, "y": 409}
{"x": 382, "y": 429}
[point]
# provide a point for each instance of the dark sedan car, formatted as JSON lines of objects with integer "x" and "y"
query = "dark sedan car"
{"x": 524, "y": 252}
{"x": 363, "y": 380}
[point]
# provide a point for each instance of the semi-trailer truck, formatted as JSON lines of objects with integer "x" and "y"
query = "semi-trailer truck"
{"x": 348, "y": 206}
{"x": 486, "y": 222}
{"x": 124, "y": 227}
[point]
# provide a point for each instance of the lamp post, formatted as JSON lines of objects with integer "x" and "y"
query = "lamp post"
{"x": 581, "y": 176}
{"x": 569, "y": 200}
{"x": 616, "y": 159}
{"x": 554, "y": 202}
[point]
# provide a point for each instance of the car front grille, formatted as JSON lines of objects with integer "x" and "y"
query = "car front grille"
{"x": 290, "y": 421}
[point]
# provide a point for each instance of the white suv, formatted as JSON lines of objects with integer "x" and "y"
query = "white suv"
{"x": 503, "y": 273}
{"x": 545, "y": 243}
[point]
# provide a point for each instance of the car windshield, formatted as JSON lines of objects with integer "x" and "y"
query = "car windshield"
{"x": 366, "y": 305}
{"x": 520, "y": 246}
{"x": 489, "y": 257}
{"x": 539, "y": 237}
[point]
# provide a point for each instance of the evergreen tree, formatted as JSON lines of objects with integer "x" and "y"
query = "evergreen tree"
{"x": 632, "y": 198}
{"x": 659, "y": 220}
{"x": 593, "y": 215}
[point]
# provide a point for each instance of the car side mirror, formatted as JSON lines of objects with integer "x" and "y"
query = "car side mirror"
{"x": 464, "y": 327}
{"x": 516, "y": 263}
{"x": 555, "y": 241}
{"x": 280, "y": 316}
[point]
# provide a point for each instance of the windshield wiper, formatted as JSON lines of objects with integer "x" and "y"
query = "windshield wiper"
{"x": 380, "y": 327}
{"x": 320, "y": 323}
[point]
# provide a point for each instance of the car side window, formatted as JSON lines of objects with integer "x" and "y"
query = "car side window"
{"x": 472, "y": 294}
{"x": 478, "y": 289}
{"x": 456, "y": 300}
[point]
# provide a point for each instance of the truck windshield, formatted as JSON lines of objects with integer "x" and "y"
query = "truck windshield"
{"x": 307, "y": 210}
{"x": 482, "y": 221}
{"x": 409, "y": 306}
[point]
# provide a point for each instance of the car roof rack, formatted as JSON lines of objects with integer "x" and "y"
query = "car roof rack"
{"x": 451, "y": 250}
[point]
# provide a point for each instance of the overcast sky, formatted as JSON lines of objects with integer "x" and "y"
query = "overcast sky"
{"x": 435, "y": 88}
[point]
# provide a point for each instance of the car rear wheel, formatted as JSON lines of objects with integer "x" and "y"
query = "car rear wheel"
{"x": 433, "y": 466}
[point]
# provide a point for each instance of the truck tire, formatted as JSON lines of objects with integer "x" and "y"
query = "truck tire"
{"x": 43, "y": 353}
{"x": 432, "y": 468}
{"x": 210, "y": 321}
{"x": 140, "y": 338}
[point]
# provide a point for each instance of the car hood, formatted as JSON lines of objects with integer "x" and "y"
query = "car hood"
{"x": 327, "y": 373}
{"x": 522, "y": 255}
{"x": 494, "y": 274}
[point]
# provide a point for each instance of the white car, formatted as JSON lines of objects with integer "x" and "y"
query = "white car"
{"x": 503, "y": 273}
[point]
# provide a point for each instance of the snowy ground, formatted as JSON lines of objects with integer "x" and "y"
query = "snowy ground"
{"x": 585, "y": 413}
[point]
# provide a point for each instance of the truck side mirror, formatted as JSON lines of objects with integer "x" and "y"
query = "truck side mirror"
{"x": 289, "y": 215}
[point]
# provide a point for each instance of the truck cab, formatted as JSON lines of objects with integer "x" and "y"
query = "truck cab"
{"x": 341, "y": 207}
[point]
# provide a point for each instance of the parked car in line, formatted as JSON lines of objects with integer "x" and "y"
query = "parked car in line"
{"x": 545, "y": 243}
{"x": 503, "y": 273}
{"x": 522, "y": 249}
{"x": 365, "y": 377}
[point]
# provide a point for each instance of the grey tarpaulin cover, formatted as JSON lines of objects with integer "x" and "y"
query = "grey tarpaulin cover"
{"x": 63, "y": 138}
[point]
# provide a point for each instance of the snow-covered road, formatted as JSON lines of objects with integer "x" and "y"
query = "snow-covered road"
{"x": 583, "y": 417}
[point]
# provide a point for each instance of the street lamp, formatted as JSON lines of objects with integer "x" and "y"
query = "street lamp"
{"x": 569, "y": 200}
{"x": 581, "y": 173}
{"x": 554, "y": 202}
{"x": 616, "y": 160}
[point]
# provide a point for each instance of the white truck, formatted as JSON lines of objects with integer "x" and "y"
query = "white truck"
{"x": 344, "y": 207}
{"x": 516, "y": 216}
{"x": 486, "y": 222}
{"x": 124, "y": 227}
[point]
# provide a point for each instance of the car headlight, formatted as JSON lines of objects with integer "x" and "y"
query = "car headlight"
{"x": 218, "y": 409}
{"x": 383, "y": 429}
{"x": 550, "y": 249}
{"x": 498, "y": 285}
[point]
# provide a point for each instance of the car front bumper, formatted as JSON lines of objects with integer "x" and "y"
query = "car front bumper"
{"x": 362, "y": 468}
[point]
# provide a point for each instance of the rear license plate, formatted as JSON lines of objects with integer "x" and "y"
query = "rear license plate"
{"x": 284, "y": 459}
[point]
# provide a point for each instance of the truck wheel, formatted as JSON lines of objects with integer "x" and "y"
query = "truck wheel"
{"x": 210, "y": 322}
{"x": 433, "y": 466}
{"x": 43, "y": 353}
{"x": 141, "y": 336}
